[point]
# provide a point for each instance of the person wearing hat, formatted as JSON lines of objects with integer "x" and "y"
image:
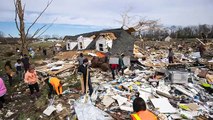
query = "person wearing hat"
{"x": 55, "y": 85}
{"x": 84, "y": 70}
{"x": 31, "y": 79}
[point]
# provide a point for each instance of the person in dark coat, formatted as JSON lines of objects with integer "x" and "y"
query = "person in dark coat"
{"x": 121, "y": 64}
{"x": 83, "y": 69}
{"x": 171, "y": 56}
{"x": 26, "y": 62}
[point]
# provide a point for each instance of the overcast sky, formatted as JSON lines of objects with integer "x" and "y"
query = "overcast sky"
{"x": 105, "y": 13}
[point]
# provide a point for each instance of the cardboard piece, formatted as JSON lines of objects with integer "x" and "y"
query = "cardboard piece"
{"x": 59, "y": 108}
{"x": 184, "y": 91}
{"x": 107, "y": 101}
{"x": 179, "y": 77}
{"x": 126, "y": 108}
{"x": 48, "y": 111}
{"x": 113, "y": 60}
{"x": 163, "y": 105}
{"x": 121, "y": 100}
{"x": 193, "y": 106}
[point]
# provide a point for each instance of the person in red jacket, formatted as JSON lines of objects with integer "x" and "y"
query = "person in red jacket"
{"x": 141, "y": 113}
{"x": 114, "y": 69}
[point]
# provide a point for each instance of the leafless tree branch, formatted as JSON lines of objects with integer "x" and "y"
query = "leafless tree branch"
{"x": 46, "y": 28}
{"x": 16, "y": 13}
{"x": 48, "y": 4}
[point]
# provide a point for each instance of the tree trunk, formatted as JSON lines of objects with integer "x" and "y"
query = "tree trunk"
{"x": 20, "y": 11}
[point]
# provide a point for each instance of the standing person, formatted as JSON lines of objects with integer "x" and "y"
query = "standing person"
{"x": 26, "y": 62}
{"x": 121, "y": 64}
{"x": 84, "y": 69}
{"x": 44, "y": 51}
{"x": 80, "y": 59}
{"x": 9, "y": 71}
{"x": 203, "y": 36}
{"x": 180, "y": 47}
{"x": 31, "y": 79}
{"x": 55, "y": 86}
{"x": 171, "y": 56}
{"x": 202, "y": 49}
{"x": 54, "y": 50}
{"x": 3, "y": 91}
{"x": 141, "y": 113}
{"x": 114, "y": 68}
{"x": 19, "y": 69}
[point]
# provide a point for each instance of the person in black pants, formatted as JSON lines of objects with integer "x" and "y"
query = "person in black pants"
{"x": 83, "y": 69}
{"x": 25, "y": 60}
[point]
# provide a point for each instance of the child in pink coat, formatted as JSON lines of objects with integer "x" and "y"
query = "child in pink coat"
{"x": 3, "y": 91}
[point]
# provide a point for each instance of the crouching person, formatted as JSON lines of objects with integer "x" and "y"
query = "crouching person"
{"x": 55, "y": 86}
{"x": 139, "y": 106}
{"x": 31, "y": 79}
{"x": 3, "y": 91}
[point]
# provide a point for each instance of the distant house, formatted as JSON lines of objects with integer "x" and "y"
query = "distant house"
{"x": 168, "y": 39}
{"x": 104, "y": 42}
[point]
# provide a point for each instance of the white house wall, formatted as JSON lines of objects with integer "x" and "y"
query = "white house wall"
{"x": 85, "y": 42}
{"x": 105, "y": 44}
{"x": 71, "y": 45}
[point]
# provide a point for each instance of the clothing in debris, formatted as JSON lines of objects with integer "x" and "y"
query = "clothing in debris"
{"x": 3, "y": 91}
{"x": 31, "y": 79}
{"x": 83, "y": 69}
{"x": 54, "y": 84}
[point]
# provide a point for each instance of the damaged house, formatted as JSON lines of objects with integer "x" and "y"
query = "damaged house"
{"x": 114, "y": 41}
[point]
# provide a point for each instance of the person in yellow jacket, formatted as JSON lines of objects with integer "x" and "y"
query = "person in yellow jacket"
{"x": 141, "y": 113}
{"x": 55, "y": 86}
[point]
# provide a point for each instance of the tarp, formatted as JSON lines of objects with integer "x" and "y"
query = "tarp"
{"x": 87, "y": 111}
{"x": 100, "y": 55}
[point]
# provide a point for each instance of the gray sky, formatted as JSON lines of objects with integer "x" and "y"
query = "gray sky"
{"x": 106, "y": 12}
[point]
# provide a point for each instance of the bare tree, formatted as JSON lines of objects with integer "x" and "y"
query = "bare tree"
{"x": 138, "y": 23}
{"x": 20, "y": 24}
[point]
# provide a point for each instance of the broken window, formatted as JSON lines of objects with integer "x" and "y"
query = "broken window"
{"x": 68, "y": 46}
{"x": 101, "y": 47}
{"x": 81, "y": 45}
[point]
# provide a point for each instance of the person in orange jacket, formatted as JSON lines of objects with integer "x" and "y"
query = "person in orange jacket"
{"x": 55, "y": 85}
{"x": 141, "y": 113}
